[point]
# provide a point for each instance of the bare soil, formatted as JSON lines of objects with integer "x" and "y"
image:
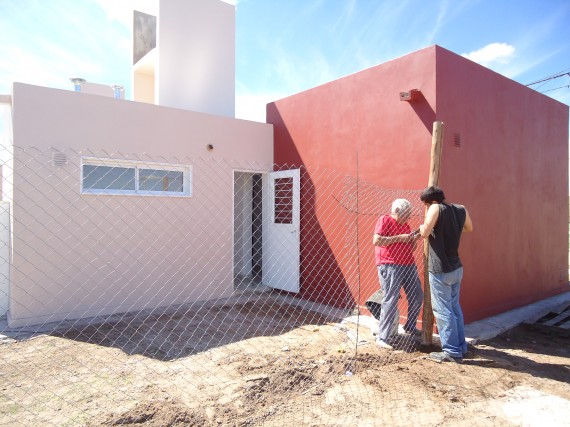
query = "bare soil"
{"x": 268, "y": 363}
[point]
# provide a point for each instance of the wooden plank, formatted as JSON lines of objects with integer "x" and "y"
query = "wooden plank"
{"x": 562, "y": 316}
{"x": 427, "y": 315}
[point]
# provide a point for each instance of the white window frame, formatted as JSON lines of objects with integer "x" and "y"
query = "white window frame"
{"x": 137, "y": 165}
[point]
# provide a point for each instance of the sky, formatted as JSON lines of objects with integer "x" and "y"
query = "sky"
{"x": 287, "y": 46}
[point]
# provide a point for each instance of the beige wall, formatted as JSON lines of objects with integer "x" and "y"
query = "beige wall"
{"x": 78, "y": 255}
{"x": 143, "y": 78}
{"x": 97, "y": 89}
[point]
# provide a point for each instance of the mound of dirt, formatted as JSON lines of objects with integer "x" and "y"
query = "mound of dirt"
{"x": 163, "y": 413}
{"x": 281, "y": 372}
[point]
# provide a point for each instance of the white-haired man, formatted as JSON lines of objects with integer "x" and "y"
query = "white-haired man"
{"x": 394, "y": 252}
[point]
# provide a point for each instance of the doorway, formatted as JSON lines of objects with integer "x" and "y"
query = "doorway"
{"x": 266, "y": 237}
{"x": 248, "y": 230}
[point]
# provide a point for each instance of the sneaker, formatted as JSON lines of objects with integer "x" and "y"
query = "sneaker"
{"x": 383, "y": 344}
{"x": 444, "y": 357}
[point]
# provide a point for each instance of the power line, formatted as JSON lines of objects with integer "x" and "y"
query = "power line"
{"x": 552, "y": 77}
{"x": 559, "y": 87}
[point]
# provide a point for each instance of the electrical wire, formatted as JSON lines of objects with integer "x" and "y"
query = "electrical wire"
{"x": 556, "y": 88}
{"x": 551, "y": 77}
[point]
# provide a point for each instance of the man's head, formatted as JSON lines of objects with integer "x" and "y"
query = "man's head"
{"x": 401, "y": 210}
{"x": 432, "y": 194}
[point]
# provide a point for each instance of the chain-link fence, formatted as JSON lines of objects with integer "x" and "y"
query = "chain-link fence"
{"x": 138, "y": 289}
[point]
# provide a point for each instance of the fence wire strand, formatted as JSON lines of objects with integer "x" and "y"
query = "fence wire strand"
{"x": 194, "y": 291}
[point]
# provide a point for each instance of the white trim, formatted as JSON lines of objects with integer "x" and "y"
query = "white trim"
{"x": 137, "y": 165}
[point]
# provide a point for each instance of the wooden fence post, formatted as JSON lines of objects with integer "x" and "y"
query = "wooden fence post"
{"x": 427, "y": 316}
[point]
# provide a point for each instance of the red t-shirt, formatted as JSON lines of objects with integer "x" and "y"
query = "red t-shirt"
{"x": 396, "y": 253}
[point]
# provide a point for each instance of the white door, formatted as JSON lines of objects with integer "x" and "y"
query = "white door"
{"x": 281, "y": 226}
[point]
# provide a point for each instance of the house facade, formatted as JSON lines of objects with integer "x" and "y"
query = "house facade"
{"x": 94, "y": 228}
{"x": 114, "y": 206}
{"x": 110, "y": 206}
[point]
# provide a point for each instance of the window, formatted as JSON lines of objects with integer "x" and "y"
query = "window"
{"x": 283, "y": 201}
{"x": 108, "y": 176}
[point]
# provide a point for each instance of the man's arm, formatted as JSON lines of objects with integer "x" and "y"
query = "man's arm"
{"x": 430, "y": 220}
{"x": 380, "y": 240}
{"x": 468, "y": 226}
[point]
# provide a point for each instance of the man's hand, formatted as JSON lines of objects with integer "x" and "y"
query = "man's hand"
{"x": 410, "y": 238}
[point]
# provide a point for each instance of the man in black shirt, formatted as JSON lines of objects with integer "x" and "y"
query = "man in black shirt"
{"x": 443, "y": 226}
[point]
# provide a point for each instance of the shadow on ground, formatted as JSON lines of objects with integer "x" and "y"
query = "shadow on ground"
{"x": 191, "y": 331}
{"x": 526, "y": 339}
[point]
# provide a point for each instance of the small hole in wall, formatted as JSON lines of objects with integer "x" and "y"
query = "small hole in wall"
{"x": 209, "y": 147}
{"x": 457, "y": 140}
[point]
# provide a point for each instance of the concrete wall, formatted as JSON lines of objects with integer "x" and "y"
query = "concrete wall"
{"x": 143, "y": 78}
{"x": 196, "y": 56}
{"x": 97, "y": 89}
{"x": 79, "y": 255}
{"x": 505, "y": 156}
{"x": 510, "y": 169}
{"x": 356, "y": 120}
{"x": 144, "y": 34}
{"x": 361, "y": 115}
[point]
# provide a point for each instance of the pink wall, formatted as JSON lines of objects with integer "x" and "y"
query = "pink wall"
{"x": 511, "y": 171}
{"x": 80, "y": 255}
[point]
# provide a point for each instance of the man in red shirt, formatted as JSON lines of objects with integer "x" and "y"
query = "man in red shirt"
{"x": 394, "y": 249}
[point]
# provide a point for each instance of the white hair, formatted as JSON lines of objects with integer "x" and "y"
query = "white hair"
{"x": 401, "y": 206}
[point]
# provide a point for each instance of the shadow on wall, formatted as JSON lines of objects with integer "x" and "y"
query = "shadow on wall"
{"x": 424, "y": 111}
{"x": 338, "y": 214}
{"x": 324, "y": 225}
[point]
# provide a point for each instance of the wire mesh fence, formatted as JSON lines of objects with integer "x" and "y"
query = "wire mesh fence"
{"x": 138, "y": 289}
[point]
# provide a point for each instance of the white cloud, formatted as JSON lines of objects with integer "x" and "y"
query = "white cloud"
{"x": 492, "y": 54}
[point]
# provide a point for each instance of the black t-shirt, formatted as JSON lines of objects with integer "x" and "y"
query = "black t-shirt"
{"x": 444, "y": 239}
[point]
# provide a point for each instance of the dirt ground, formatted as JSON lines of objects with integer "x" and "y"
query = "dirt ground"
{"x": 267, "y": 363}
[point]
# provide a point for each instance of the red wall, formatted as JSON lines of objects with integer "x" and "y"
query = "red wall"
{"x": 362, "y": 114}
{"x": 329, "y": 129}
{"x": 511, "y": 172}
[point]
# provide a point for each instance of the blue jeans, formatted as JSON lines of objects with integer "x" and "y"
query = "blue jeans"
{"x": 449, "y": 317}
{"x": 392, "y": 278}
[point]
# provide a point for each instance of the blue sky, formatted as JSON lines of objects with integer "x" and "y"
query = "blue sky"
{"x": 286, "y": 46}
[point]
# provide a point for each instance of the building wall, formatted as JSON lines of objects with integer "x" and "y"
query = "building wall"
{"x": 143, "y": 81}
{"x": 196, "y": 56}
{"x": 355, "y": 126}
{"x": 80, "y": 255}
{"x": 97, "y": 89}
{"x": 511, "y": 171}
